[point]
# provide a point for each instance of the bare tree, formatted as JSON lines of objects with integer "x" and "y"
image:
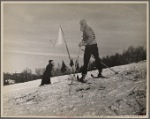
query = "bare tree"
{"x": 27, "y": 74}
{"x": 39, "y": 71}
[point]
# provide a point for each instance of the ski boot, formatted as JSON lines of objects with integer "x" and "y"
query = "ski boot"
{"x": 81, "y": 79}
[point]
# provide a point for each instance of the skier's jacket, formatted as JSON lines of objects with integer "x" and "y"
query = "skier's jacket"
{"x": 88, "y": 36}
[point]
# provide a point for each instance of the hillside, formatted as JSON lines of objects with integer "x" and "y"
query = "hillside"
{"x": 117, "y": 95}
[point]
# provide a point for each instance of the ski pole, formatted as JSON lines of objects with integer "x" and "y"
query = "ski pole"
{"x": 77, "y": 59}
{"x": 78, "y": 53}
{"x": 74, "y": 71}
{"x": 109, "y": 68}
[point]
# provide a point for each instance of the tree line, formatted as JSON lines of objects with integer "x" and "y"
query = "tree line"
{"x": 132, "y": 54}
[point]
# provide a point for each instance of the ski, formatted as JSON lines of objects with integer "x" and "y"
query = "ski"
{"x": 97, "y": 76}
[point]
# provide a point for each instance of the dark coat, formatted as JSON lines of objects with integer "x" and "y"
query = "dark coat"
{"x": 47, "y": 74}
{"x": 48, "y": 70}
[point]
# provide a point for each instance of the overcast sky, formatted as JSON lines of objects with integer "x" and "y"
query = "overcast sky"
{"x": 30, "y": 28}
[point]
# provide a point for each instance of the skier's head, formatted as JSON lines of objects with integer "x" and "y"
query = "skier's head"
{"x": 83, "y": 24}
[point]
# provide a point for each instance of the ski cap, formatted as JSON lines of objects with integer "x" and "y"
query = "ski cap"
{"x": 83, "y": 22}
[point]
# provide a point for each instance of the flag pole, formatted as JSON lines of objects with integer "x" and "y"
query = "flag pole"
{"x": 66, "y": 44}
{"x": 69, "y": 56}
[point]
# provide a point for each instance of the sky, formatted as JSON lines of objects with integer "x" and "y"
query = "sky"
{"x": 31, "y": 29}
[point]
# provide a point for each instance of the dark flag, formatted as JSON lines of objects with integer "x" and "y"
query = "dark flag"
{"x": 77, "y": 65}
{"x": 64, "y": 67}
{"x": 71, "y": 62}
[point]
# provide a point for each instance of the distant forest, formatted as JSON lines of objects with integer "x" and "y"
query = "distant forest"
{"x": 132, "y": 54}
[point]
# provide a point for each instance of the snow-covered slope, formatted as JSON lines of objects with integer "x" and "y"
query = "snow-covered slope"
{"x": 117, "y": 95}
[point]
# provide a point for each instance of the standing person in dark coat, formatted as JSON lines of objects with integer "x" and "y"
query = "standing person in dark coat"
{"x": 90, "y": 48}
{"x": 47, "y": 73}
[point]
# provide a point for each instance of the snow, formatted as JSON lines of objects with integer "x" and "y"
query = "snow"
{"x": 117, "y": 95}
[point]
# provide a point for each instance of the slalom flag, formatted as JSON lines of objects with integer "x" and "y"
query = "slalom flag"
{"x": 60, "y": 41}
{"x": 60, "y": 38}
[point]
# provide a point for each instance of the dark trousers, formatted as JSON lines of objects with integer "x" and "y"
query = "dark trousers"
{"x": 91, "y": 50}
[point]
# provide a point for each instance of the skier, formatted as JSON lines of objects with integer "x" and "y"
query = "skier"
{"x": 47, "y": 74}
{"x": 90, "y": 49}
